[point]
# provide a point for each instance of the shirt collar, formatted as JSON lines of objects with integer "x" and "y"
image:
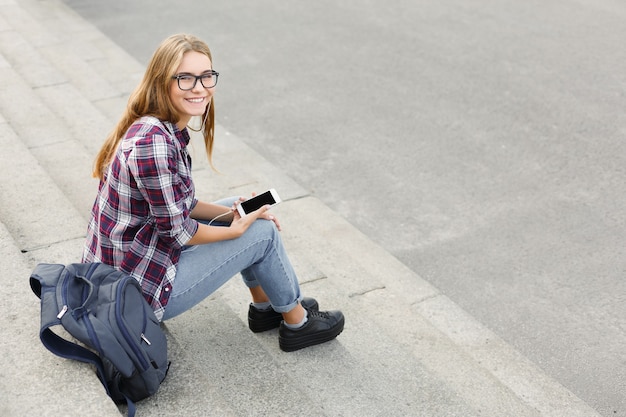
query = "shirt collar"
{"x": 181, "y": 135}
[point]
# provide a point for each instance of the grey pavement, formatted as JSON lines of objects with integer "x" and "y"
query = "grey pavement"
{"x": 407, "y": 349}
{"x": 481, "y": 143}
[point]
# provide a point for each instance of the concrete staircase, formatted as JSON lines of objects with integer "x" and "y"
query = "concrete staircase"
{"x": 406, "y": 350}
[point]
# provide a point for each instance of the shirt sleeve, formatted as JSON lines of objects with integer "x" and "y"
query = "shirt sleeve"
{"x": 154, "y": 163}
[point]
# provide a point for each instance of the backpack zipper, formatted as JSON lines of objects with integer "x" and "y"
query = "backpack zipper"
{"x": 62, "y": 312}
{"x": 90, "y": 330}
{"x": 122, "y": 325}
{"x": 145, "y": 339}
{"x": 63, "y": 295}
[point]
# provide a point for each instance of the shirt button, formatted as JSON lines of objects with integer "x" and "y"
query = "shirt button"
{"x": 167, "y": 289}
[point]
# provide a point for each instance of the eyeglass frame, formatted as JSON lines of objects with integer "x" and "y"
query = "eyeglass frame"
{"x": 177, "y": 77}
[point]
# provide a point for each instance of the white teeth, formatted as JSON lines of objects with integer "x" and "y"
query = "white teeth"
{"x": 196, "y": 100}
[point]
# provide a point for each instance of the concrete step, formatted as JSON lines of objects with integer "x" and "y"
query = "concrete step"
{"x": 65, "y": 87}
{"x": 91, "y": 62}
{"x": 50, "y": 140}
{"x": 35, "y": 211}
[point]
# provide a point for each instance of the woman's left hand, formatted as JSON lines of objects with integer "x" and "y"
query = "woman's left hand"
{"x": 269, "y": 216}
{"x": 266, "y": 215}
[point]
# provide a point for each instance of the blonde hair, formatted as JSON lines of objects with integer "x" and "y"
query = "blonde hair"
{"x": 152, "y": 97}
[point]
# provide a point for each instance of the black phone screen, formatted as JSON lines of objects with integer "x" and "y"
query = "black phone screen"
{"x": 257, "y": 202}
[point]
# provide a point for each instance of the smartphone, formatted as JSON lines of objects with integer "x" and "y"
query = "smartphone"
{"x": 254, "y": 203}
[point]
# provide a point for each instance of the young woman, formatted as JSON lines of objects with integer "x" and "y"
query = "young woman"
{"x": 147, "y": 222}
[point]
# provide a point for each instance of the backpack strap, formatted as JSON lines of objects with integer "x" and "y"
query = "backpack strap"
{"x": 69, "y": 350}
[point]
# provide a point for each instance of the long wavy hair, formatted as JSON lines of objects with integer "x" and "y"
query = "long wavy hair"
{"x": 152, "y": 98}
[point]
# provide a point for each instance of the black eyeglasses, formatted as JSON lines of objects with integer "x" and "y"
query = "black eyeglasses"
{"x": 187, "y": 82}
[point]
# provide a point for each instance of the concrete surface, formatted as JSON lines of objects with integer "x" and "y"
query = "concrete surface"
{"x": 407, "y": 349}
{"x": 481, "y": 142}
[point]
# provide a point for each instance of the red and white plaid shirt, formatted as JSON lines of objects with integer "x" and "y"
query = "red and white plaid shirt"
{"x": 140, "y": 219}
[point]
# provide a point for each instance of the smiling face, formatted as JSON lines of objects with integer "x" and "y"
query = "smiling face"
{"x": 192, "y": 102}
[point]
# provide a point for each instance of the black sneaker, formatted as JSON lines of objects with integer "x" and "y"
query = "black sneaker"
{"x": 262, "y": 320}
{"x": 321, "y": 327}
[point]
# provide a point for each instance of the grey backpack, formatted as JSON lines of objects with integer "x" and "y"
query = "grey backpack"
{"x": 104, "y": 309}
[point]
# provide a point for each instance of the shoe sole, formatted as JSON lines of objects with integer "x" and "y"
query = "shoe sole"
{"x": 263, "y": 325}
{"x": 296, "y": 343}
{"x": 258, "y": 326}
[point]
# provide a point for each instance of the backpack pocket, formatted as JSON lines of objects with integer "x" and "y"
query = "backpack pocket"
{"x": 140, "y": 329}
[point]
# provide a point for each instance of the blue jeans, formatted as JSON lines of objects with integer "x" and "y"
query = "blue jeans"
{"x": 258, "y": 255}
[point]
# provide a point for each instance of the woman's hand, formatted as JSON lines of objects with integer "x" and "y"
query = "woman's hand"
{"x": 261, "y": 213}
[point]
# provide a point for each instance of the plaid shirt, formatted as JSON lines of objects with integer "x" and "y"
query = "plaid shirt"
{"x": 140, "y": 219}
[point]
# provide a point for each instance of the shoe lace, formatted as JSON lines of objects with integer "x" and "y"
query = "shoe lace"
{"x": 321, "y": 314}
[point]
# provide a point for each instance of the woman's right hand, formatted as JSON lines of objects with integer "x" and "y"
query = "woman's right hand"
{"x": 241, "y": 224}
{"x": 238, "y": 226}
